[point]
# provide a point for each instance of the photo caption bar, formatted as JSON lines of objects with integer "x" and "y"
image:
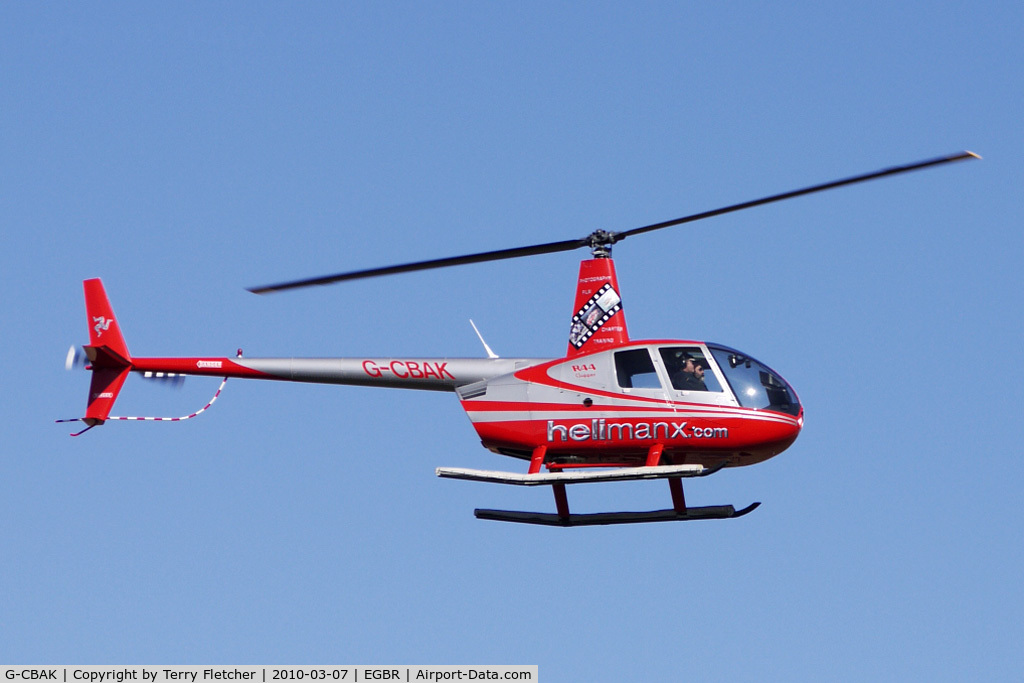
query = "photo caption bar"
{"x": 150, "y": 673}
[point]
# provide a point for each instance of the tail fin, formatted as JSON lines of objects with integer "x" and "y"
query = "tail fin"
{"x": 107, "y": 352}
{"x": 104, "y": 332}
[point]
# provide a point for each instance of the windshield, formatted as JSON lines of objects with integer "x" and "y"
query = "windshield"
{"x": 755, "y": 385}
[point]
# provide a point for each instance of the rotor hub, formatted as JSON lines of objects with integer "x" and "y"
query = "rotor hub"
{"x": 600, "y": 243}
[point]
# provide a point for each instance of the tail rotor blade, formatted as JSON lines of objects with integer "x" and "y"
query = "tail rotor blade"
{"x": 75, "y": 360}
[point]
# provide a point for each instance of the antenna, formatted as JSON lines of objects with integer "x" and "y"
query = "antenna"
{"x": 490, "y": 354}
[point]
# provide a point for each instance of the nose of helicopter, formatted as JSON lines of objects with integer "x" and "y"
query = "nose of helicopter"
{"x": 757, "y": 386}
{"x": 775, "y": 439}
{"x": 799, "y": 424}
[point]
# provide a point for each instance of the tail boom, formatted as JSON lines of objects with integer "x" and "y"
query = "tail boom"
{"x": 429, "y": 374}
{"x": 110, "y": 362}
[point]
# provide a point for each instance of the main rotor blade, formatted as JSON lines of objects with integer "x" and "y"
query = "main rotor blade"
{"x": 497, "y": 255}
{"x": 797, "y": 193}
{"x": 599, "y": 238}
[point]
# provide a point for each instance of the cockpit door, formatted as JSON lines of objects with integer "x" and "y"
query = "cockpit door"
{"x": 693, "y": 376}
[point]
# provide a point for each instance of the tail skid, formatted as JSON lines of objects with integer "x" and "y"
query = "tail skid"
{"x": 78, "y": 419}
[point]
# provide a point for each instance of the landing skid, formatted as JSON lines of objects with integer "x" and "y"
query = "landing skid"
{"x": 599, "y": 518}
{"x": 558, "y": 480}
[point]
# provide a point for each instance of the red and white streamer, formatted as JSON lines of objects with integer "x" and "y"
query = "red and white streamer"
{"x": 175, "y": 419}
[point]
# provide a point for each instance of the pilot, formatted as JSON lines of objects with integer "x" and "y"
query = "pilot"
{"x": 690, "y": 376}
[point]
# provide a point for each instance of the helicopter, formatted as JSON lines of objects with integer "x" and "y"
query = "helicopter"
{"x": 611, "y": 409}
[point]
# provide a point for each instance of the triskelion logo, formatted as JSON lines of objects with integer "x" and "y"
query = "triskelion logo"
{"x": 102, "y": 325}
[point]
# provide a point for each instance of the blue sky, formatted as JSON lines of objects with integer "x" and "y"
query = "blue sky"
{"x": 185, "y": 152}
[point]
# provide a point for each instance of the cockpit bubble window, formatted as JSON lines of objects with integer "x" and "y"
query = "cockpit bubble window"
{"x": 688, "y": 369}
{"x": 635, "y": 370}
{"x": 755, "y": 385}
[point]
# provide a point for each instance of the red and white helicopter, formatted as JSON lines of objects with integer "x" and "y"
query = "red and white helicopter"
{"x": 612, "y": 409}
